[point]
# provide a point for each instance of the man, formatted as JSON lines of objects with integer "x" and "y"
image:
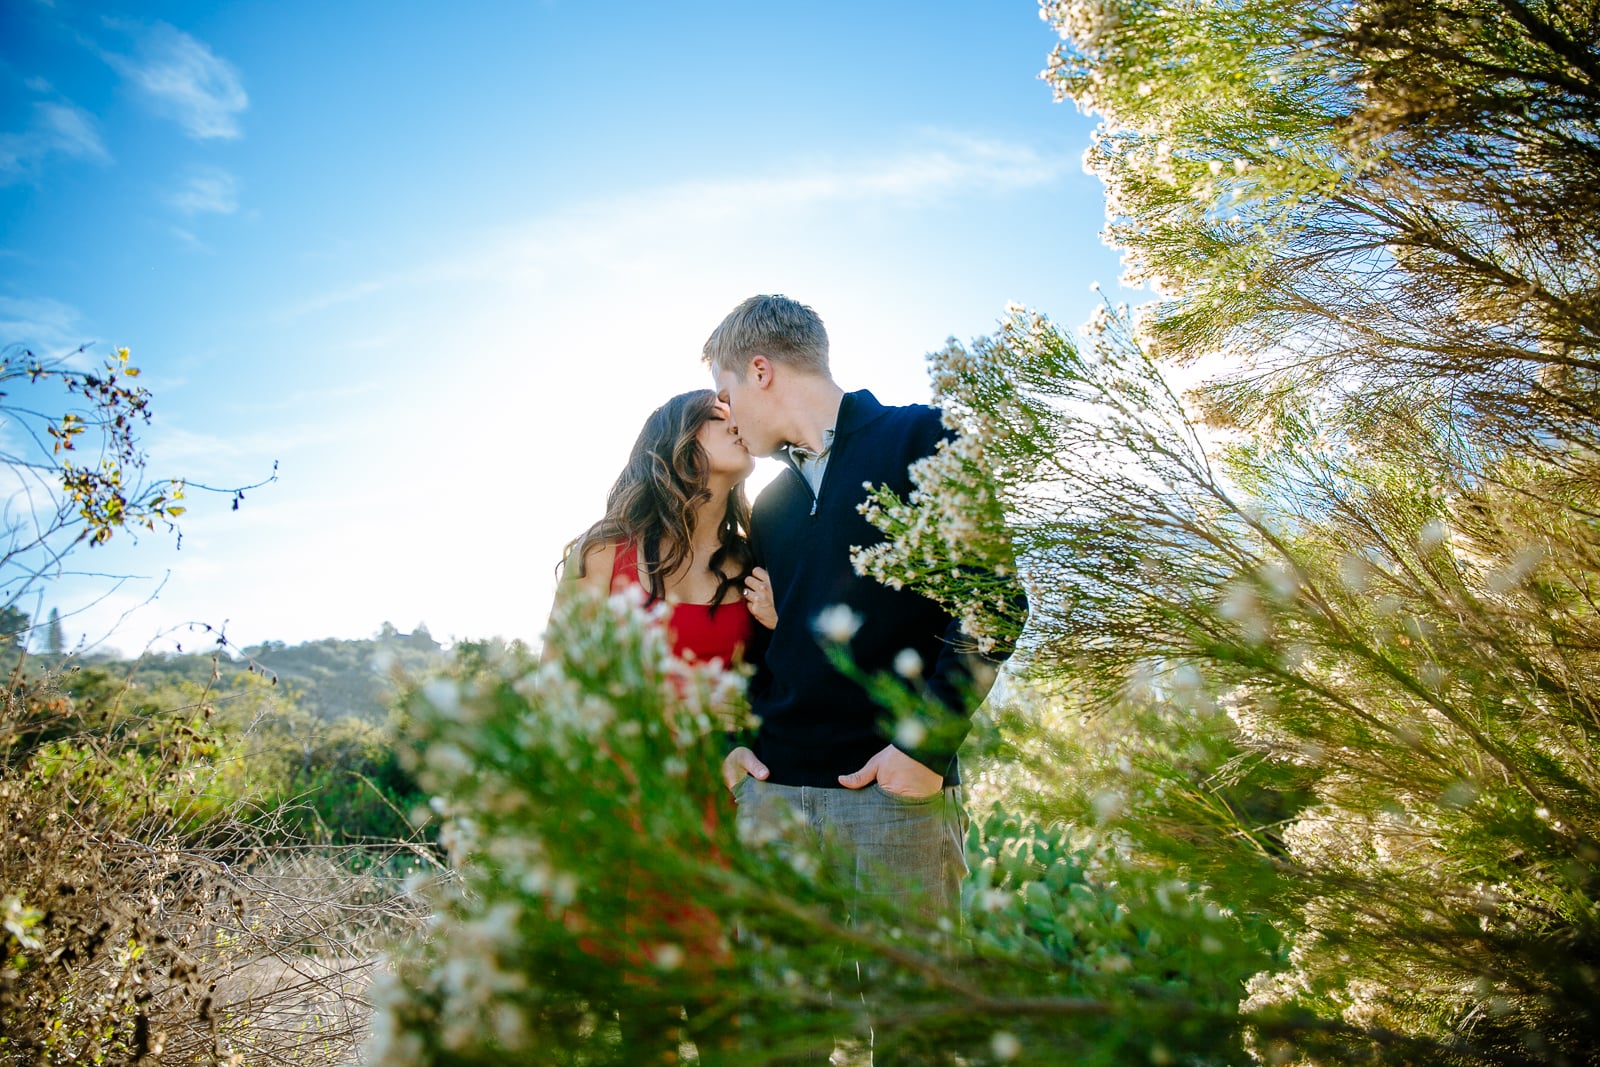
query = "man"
{"x": 821, "y": 756}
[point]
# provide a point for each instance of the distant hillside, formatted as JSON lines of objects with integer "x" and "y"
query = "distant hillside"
{"x": 332, "y": 678}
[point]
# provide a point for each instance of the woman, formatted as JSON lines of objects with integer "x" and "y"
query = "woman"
{"x": 675, "y": 526}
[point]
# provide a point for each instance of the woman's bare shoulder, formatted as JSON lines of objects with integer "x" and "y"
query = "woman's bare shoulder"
{"x": 596, "y": 566}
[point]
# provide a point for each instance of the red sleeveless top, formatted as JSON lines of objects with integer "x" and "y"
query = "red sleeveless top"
{"x": 697, "y": 633}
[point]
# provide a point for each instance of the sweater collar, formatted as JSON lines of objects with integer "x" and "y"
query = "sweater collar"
{"x": 856, "y": 410}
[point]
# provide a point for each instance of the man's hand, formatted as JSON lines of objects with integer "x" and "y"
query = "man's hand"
{"x": 895, "y": 772}
{"x": 740, "y": 762}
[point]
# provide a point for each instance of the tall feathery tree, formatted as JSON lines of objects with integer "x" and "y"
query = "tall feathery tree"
{"x": 1379, "y": 201}
{"x": 1372, "y": 228}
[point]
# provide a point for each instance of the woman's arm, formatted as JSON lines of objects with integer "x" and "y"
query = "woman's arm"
{"x": 758, "y": 594}
{"x": 595, "y": 580}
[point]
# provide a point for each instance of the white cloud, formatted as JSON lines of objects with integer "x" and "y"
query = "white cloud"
{"x": 185, "y": 81}
{"x": 948, "y": 164}
{"x": 187, "y": 237}
{"x": 209, "y": 190}
{"x": 332, "y": 299}
{"x": 945, "y": 165}
{"x": 71, "y": 131}
{"x": 48, "y": 327}
{"x": 56, "y": 129}
{"x": 616, "y": 234}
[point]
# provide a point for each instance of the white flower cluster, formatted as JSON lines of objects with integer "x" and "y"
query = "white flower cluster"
{"x": 945, "y": 540}
{"x": 477, "y": 988}
{"x": 836, "y": 623}
{"x": 19, "y": 921}
{"x": 530, "y": 763}
{"x": 1088, "y": 24}
{"x": 615, "y": 649}
{"x": 950, "y": 538}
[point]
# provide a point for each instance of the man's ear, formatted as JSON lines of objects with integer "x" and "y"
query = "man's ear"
{"x": 761, "y": 367}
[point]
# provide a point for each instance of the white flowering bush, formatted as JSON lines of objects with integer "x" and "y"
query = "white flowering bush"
{"x": 950, "y": 538}
{"x": 1338, "y": 674}
{"x": 602, "y": 909}
{"x": 1356, "y": 197}
{"x": 583, "y": 817}
{"x": 1372, "y": 225}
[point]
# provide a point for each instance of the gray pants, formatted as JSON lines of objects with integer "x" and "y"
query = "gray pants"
{"x": 880, "y": 849}
{"x": 906, "y": 852}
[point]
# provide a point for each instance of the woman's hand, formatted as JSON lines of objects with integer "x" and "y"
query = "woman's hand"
{"x": 758, "y": 594}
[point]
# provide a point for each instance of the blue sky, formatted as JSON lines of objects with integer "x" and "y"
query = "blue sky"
{"x": 438, "y": 264}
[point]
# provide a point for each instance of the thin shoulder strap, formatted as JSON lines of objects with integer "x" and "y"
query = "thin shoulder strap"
{"x": 625, "y": 569}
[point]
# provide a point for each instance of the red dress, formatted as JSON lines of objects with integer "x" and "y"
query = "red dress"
{"x": 697, "y": 632}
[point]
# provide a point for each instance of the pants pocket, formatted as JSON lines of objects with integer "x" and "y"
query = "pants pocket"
{"x": 908, "y": 801}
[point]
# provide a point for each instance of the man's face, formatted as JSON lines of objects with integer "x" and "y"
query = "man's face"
{"x": 750, "y": 402}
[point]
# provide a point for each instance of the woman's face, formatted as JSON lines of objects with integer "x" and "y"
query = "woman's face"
{"x": 725, "y": 452}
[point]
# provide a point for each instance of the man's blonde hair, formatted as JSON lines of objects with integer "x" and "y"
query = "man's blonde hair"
{"x": 783, "y": 330}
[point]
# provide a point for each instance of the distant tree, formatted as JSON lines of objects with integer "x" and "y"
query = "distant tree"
{"x": 54, "y": 641}
{"x": 14, "y": 623}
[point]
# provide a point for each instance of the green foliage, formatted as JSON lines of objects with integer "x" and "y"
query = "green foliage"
{"x": 312, "y": 726}
{"x": 339, "y": 782}
{"x": 158, "y": 906}
{"x": 1126, "y": 940}
{"x": 330, "y": 679}
{"x": 311, "y": 781}
{"x": 336, "y": 678}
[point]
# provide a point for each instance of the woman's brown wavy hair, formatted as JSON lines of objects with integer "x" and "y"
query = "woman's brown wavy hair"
{"x": 653, "y": 501}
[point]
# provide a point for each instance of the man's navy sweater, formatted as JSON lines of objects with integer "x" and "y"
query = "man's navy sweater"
{"x": 815, "y": 724}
